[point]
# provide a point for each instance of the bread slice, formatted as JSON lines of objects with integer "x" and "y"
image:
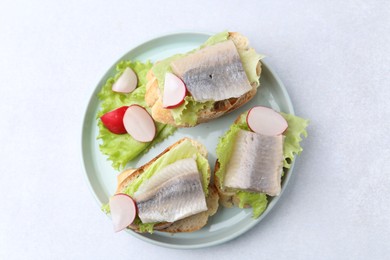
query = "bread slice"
{"x": 188, "y": 224}
{"x": 153, "y": 97}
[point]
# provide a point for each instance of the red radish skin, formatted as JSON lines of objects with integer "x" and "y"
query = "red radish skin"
{"x": 123, "y": 211}
{"x": 126, "y": 83}
{"x": 177, "y": 105}
{"x": 139, "y": 124}
{"x": 113, "y": 120}
{"x": 266, "y": 121}
{"x": 174, "y": 91}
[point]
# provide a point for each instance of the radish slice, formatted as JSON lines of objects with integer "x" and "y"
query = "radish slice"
{"x": 113, "y": 120}
{"x": 266, "y": 121}
{"x": 139, "y": 124}
{"x": 126, "y": 83}
{"x": 174, "y": 91}
{"x": 123, "y": 211}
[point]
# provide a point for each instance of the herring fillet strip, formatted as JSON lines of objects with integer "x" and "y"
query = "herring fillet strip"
{"x": 176, "y": 199}
{"x": 256, "y": 163}
{"x": 172, "y": 193}
{"x": 177, "y": 168}
{"x": 213, "y": 73}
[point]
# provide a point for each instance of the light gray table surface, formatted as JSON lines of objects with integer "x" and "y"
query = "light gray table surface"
{"x": 333, "y": 57}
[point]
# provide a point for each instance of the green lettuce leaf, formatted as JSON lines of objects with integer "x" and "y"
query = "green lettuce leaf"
{"x": 250, "y": 58}
{"x": 121, "y": 149}
{"x": 187, "y": 113}
{"x": 111, "y": 100}
{"x": 258, "y": 202}
{"x": 296, "y": 128}
{"x": 106, "y": 208}
{"x": 219, "y": 37}
{"x": 144, "y": 227}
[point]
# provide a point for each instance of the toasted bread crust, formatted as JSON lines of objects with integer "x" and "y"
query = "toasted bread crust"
{"x": 153, "y": 96}
{"x": 189, "y": 224}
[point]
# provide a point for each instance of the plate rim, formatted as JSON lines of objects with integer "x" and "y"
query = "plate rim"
{"x": 140, "y": 236}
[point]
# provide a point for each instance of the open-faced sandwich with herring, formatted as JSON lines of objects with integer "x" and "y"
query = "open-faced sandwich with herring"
{"x": 218, "y": 77}
{"x": 252, "y": 155}
{"x": 171, "y": 193}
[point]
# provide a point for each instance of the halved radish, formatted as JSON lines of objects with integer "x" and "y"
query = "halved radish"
{"x": 126, "y": 83}
{"x": 174, "y": 91}
{"x": 123, "y": 211}
{"x": 113, "y": 120}
{"x": 266, "y": 121}
{"x": 139, "y": 124}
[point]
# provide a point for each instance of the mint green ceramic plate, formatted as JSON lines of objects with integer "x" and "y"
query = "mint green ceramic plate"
{"x": 227, "y": 223}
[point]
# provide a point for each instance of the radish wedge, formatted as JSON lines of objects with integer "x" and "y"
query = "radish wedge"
{"x": 174, "y": 91}
{"x": 113, "y": 120}
{"x": 123, "y": 211}
{"x": 126, "y": 83}
{"x": 266, "y": 121}
{"x": 139, "y": 124}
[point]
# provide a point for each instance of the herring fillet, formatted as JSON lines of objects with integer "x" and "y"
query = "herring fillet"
{"x": 213, "y": 73}
{"x": 171, "y": 194}
{"x": 177, "y": 198}
{"x": 256, "y": 163}
{"x": 176, "y": 169}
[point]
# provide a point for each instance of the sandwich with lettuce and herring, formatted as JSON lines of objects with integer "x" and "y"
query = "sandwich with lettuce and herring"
{"x": 206, "y": 83}
{"x": 171, "y": 193}
{"x": 254, "y": 154}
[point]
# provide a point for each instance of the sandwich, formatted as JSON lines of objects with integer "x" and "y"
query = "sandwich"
{"x": 253, "y": 156}
{"x": 206, "y": 83}
{"x": 171, "y": 193}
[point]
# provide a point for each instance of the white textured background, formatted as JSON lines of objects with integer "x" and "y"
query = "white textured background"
{"x": 333, "y": 57}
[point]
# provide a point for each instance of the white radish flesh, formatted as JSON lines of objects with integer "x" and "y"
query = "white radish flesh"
{"x": 126, "y": 83}
{"x": 123, "y": 211}
{"x": 174, "y": 91}
{"x": 139, "y": 124}
{"x": 266, "y": 121}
